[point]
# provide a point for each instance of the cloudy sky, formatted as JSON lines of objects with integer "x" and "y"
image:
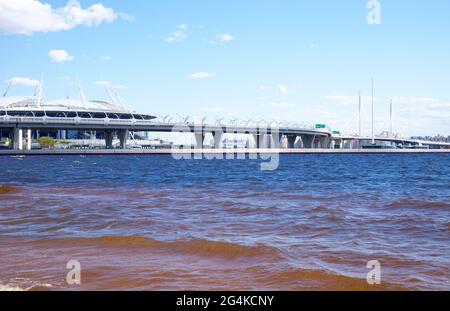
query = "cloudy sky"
{"x": 290, "y": 60}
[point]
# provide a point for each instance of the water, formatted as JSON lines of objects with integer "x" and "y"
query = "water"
{"x": 154, "y": 223}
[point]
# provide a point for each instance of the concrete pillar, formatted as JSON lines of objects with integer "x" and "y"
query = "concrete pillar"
{"x": 217, "y": 135}
{"x": 291, "y": 139}
{"x": 308, "y": 141}
{"x": 109, "y": 139}
{"x": 29, "y": 138}
{"x": 275, "y": 140}
{"x": 199, "y": 139}
{"x": 123, "y": 137}
{"x": 20, "y": 139}
{"x": 257, "y": 139}
{"x": 265, "y": 141}
{"x": 323, "y": 142}
{"x": 14, "y": 138}
{"x": 248, "y": 144}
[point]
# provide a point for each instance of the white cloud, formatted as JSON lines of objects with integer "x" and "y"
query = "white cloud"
{"x": 110, "y": 84}
{"x": 103, "y": 83}
{"x": 314, "y": 45}
{"x": 439, "y": 106}
{"x": 201, "y": 75}
{"x": 225, "y": 37}
{"x": 283, "y": 89}
{"x": 26, "y": 17}
{"x": 415, "y": 100}
{"x": 60, "y": 56}
{"x": 23, "y": 81}
{"x": 176, "y": 36}
{"x": 213, "y": 109}
{"x": 423, "y": 106}
{"x": 127, "y": 17}
{"x": 105, "y": 57}
{"x": 347, "y": 100}
{"x": 119, "y": 87}
{"x": 222, "y": 38}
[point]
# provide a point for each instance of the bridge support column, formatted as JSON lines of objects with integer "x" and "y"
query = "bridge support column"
{"x": 308, "y": 141}
{"x": 266, "y": 140}
{"x": 29, "y": 138}
{"x": 123, "y": 137}
{"x": 14, "y": 138}
{"x": 257, "y": 140}
{"x": 109, "y": 139}
{"x": 20, "y": 139}
{"x": 217, "y": 136}
{"x": 291, "y": 139}
{"x": 199, "y": 139}
{"x": 323, "y": 142}
{"x": 275, "y": 141}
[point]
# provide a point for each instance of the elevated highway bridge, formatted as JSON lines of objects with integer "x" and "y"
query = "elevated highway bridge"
{"x": 23, "y": 118}
{"x": 356, "y": 142}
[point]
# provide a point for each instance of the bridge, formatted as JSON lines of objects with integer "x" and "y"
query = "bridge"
{"x": 23, "y": 118}
{"x": 357, "y": 142}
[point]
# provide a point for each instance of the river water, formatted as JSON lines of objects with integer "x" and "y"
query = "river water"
{"x": 155, "y": 223}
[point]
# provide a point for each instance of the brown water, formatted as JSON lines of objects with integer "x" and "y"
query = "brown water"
{"x": 153, "y": 223}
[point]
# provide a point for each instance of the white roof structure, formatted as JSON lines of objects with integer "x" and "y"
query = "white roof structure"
{"x": 68, "y": 108}
{"x": 31, "y": 103}
{"x": 36, "y": 103}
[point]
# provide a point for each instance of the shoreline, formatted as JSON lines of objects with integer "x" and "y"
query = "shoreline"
{"x": 97, "y": 152}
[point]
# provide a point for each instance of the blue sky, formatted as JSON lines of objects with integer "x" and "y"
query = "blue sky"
{"x": 287, "y": 60}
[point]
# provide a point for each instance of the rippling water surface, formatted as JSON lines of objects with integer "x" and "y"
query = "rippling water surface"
{"x": 151, "y": 222}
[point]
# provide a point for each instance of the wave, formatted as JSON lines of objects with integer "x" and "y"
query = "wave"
{"x": 18, "y": 288}
{"x": 7, "y": 189}
{"x": 10, "y": 288}
{"x": 406, "y": 203}
{"x": 194, "y": 247}
{"x": 302, "y": 279}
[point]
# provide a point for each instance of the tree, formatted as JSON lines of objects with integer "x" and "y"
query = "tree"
{"x": 47, "y": 142}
